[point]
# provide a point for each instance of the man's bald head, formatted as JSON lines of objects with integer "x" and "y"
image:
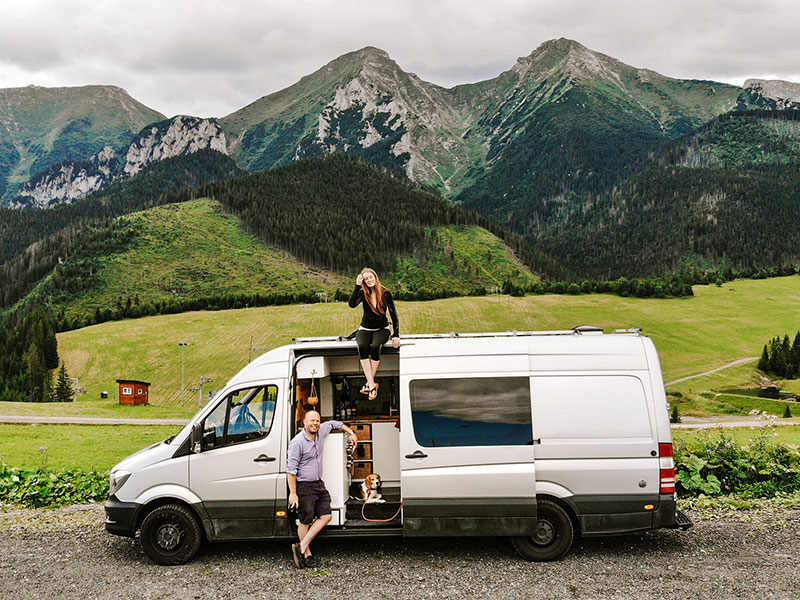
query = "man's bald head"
{"x": 311, "y": 422}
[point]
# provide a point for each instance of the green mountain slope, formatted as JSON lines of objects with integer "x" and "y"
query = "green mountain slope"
{"x": 194, "y": 250}
{"x": 728, "y": 196}
{"x": 342, "y": 213}
{"x": 40, "y": 127}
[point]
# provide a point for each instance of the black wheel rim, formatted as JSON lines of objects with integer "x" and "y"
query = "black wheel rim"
{"x": 169, "y": 536}
{"x": 545, "y": 533}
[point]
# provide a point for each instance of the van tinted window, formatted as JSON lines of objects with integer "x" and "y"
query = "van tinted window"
{"x": 485, "y": 411}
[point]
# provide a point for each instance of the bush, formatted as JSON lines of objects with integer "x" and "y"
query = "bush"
{"x": 714, "y": 464}
{"x": 675, "y": 417}
{"x": 787, "y": 412}
{"x": 51, "y": 488}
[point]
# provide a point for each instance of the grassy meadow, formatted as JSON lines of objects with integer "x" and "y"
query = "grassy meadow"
{"x": 87, "y": 447}
{"x": 715, "y": 327}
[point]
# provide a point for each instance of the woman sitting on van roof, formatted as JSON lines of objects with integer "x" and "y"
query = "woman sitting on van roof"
{"x": 374, "y": 330}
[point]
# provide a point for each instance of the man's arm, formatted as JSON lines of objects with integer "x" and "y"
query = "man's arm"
{"x": 292, "y": 464}
{"x": 345, "y": 428}
{"x": 294, "y": 501}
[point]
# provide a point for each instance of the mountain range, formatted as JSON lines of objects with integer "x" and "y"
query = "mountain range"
{"x": 60, "y": 144}
{"x": 560, "y": 149}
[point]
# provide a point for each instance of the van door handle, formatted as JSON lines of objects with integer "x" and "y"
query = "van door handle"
{"x": 417, "y": 454}
{"x": 264, "y": 458}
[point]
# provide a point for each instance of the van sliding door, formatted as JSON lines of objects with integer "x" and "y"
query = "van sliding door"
{"x": 467, "y": 458}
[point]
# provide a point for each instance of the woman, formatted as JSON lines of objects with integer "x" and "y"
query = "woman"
{"x": 374, "y": 330}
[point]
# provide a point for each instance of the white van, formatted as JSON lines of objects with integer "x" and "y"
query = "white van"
{"x": 531, "y": 435}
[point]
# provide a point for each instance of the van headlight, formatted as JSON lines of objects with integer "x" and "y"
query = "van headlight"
{"x": 116, "y": 481}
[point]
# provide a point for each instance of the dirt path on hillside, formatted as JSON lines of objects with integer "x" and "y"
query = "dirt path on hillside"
{"x": 738, "y": 361}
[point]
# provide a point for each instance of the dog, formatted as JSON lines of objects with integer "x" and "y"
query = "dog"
{"x": 370, "y": 489}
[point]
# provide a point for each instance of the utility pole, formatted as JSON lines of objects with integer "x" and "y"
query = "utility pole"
{"x": 249, "y": 360}
{"x": 203, "y": 379}
{"x": 183, "y": 363}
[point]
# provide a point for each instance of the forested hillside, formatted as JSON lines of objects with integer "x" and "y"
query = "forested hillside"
{"x": 725, "y": 197}
{"x": 33, "y": 241}
{"x": 341, "y": 213}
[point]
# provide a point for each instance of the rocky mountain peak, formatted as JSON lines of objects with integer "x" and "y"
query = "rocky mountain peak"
{"x": 775, "y": 89}
{"x": 570, "y": 58}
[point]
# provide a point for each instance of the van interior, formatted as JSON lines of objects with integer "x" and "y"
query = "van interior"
{"x": 330, "y": 383}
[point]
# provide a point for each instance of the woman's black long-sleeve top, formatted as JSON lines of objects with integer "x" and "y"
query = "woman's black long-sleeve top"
{"x": 371, "y": 319}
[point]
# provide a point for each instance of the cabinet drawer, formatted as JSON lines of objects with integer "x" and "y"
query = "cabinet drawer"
{"x": 361, "y": 469}
{"x": 363, "y": 451}
{"x": 363, "y": 431}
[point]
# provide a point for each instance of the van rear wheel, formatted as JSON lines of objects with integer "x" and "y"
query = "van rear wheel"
{"x": 171, "y": 534}
{"x": 553, "y": 537}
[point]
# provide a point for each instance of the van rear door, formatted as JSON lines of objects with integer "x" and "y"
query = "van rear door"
{"x": 466, "y": 439}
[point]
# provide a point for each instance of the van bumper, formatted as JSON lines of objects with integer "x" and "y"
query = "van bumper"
{"x": 666, "y": 513}
{"x": 121, "y": 517}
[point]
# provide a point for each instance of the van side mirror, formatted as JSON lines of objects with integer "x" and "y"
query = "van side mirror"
{"x": 196, "y": 441}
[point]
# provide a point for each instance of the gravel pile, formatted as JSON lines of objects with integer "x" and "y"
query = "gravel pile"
{"x": 66, "y": 553}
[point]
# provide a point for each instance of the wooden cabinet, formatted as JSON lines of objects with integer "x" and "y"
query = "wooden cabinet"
{"x": 378, "y": 450}
{"x": 362, "y": 456}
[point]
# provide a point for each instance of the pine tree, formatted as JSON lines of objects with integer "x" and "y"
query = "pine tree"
{"x": 36, "y": 373}
{"x": 49, "y": 343}
{"x": 48, "y": 393}
{"x": 763, "y": 364}
{"x": 63, "y": 391}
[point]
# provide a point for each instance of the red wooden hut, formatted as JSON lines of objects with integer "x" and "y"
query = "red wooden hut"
{"x": 132, "y": 391}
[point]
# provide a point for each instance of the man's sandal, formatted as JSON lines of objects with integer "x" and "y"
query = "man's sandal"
{"x": 299, "y": 560}
{"x": 373, "y": 393}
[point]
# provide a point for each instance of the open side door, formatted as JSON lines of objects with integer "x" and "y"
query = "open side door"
{"x": 466, "y": 440}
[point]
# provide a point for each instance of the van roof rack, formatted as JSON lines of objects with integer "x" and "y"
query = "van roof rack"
{"x": 579, "y": 330}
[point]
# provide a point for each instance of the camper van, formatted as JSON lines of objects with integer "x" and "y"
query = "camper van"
{"x": 537, "y": 436}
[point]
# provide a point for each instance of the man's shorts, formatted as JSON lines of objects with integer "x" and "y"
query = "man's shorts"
{"x": 315, "y": 501}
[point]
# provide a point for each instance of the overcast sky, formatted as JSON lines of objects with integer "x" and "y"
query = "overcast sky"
{"x": 212, "y": 57}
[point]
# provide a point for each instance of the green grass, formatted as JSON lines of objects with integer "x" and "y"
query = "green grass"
{"x": 788, "y": 434}
{"x": 86, "y": 447}
{"x": 692, "y": 335}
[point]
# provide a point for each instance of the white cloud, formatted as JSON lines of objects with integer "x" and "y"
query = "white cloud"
{"x": 209, "y": 57}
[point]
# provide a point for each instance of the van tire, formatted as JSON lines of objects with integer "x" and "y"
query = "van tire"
{"x": 171, "y": 534}
{"x": 553, "y": 537}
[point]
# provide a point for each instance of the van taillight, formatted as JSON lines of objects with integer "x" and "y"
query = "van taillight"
{"x": 667, "y": 470}
{"x": 667, "y": 481}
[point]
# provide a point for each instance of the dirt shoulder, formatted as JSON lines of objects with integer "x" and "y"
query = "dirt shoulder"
{"x": 66, "y": 553}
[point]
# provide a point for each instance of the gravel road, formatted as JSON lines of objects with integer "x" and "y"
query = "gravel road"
{"x": 66, "y": 553}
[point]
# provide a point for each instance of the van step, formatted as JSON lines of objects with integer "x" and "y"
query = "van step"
{"x": 377, "y": 511}
{"x": 683, "y": 521}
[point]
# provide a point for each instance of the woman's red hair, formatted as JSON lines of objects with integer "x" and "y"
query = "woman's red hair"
{"x": 376, "y": 292}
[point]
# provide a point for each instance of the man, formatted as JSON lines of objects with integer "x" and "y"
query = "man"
{"x": 307, "y": 491}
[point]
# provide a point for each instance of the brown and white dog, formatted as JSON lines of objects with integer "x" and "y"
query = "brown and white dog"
{"x": 369, "y": 489}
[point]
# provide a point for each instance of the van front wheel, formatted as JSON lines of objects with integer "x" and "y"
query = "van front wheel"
{"x": 553, "y": 536}
{"x": 171, "y": 534}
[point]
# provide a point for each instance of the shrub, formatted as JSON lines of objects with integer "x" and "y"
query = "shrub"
{"x": 51, "y": 488}
{"x": 787, "y": 412}
{"x": 675, "y": 417}
{"x": 714, "y": 464}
